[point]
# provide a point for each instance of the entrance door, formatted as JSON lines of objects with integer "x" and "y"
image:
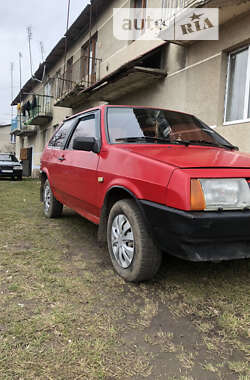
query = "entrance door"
{"x": 26, "y": 158}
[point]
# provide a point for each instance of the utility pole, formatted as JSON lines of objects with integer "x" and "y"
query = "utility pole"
{"x": 42, "y": 50}
{"x": 12, "y": 84}
{"x": 66, "y": 45}
{"x": 29, "y": 32}
{"x": 20, "y": 79}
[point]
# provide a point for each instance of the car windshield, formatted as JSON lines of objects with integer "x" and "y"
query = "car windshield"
{"x": 156, "y": 126}
{"x": 8, "y": 157}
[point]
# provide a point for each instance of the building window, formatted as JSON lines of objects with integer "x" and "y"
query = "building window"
{"x": 237, "y": 106}
{"x": 140, "y": 3}
{"x": 69, "y": 74}
{"x": 45, "y": 106}
{"x": 140, "y": 16}
{"x": 13, "y": 138}
{"x": 58, "y": 84}
{"x": 88, "y": 62}
{"x": 170, "y": 8}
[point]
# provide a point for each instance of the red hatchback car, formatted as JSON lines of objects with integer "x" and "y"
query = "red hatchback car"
{"x": 153, "y": 180}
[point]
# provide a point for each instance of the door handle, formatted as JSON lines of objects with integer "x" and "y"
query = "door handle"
{"x": 61, "y": 158}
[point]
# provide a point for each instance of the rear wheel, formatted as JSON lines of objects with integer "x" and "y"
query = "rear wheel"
{"x": 51, "y": 206}
{"x": 132, "y": 250}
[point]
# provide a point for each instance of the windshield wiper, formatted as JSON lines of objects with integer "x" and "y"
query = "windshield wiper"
{"x": 150, "y": 138}
{"x": 208, "y": 143}
{"x": 143, "y": 138}
{"x": 179, "y": 142}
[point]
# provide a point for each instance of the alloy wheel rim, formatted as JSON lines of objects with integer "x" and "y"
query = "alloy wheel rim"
{"x": 122, "y": 241}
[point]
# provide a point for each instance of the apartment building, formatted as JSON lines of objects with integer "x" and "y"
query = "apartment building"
{"x": 7, "y": 141}
{"x": 208, "y": 78}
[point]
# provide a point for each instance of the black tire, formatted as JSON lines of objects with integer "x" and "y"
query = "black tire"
{"x": 146, "y": 258}
{"x": 51, "y": 206}
{"x": 20, "y": 177}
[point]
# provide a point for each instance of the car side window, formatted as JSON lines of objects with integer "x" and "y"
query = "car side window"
{"x": 87, "y": 127}
{"x": 60, "y": 137}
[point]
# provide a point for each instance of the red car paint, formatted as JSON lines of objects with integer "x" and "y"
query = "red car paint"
{"x": 159, "y": 173}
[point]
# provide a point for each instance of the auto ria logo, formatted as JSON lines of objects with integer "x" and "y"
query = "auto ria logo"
{"x": 166, "y": 23}
{"x": 197, "y": 24}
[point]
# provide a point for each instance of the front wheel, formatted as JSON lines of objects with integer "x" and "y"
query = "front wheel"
{"x": 132, "y": 250}
{"x": 51, "y": 206}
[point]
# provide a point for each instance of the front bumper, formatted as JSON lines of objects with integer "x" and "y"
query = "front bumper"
{"x": 199, "y": 236}
{"x": 11, "y": 173}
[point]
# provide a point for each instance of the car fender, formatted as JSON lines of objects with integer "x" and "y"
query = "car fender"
{"x": 116, "y": 189}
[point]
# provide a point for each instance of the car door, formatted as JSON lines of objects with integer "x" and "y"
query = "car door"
{"x": 79, "y": 173}
{"x": 54, "y": 156}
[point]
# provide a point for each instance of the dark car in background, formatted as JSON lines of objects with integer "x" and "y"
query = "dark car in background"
{"x": 10, "y": 166}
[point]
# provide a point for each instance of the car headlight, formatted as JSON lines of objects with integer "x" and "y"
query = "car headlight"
{"x": 225, "y": 194}
{"x": 19, "y": 167}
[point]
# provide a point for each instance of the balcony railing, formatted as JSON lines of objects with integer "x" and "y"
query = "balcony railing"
{"x": 172, "y": 8}
{"x": 80, "y": 75}
{"x": 19, "y": 128}
{"x": 40, "y": 110}
{"x": 180, "y": 3}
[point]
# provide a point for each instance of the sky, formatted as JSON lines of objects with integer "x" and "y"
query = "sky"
{"x": 47, "y": 19}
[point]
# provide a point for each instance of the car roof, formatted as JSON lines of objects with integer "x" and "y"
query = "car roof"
{"x": 103, "y": 106}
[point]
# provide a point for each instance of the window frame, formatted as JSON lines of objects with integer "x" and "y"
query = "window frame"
{"x": 144, "y": 4}
{"x": 69, "y": 73}
{"x": 144, "y": 8}
{"x": 246, "y": 118}
{"x": 96, "y": 113}
{"x": 74, "y": 122}
{"x": 108, "y": 138}
{"x": 58, "y": 84}
{"x": 88, "y": 64}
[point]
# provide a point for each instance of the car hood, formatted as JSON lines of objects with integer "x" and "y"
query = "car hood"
{"x": 194, "y": 156}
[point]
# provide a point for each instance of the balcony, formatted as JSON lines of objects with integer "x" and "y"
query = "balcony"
{"x": 40, "y": 112}
{"x": 123, "y": 82}
{"x": 28, "y": 130}
{"x": 81, "y": 75}
{"x": 229, "y": 9}
{"x": 15, "y": 125}
{"x": 19, "y": 128}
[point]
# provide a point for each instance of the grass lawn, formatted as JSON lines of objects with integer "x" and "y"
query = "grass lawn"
{"x": 64, "y": 314}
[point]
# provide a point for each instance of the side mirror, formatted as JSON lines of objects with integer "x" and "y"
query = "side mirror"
{"x": 88, "y": 144}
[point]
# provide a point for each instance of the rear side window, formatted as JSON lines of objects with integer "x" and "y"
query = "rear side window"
{"x": 60, "y": 137}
